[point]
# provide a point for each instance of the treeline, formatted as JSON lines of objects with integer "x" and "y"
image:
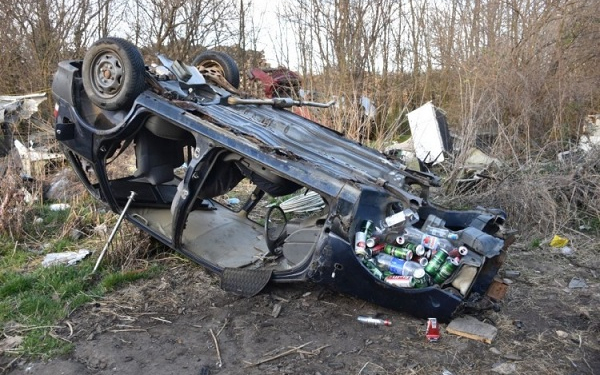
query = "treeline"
{"x": 524, "y": 72}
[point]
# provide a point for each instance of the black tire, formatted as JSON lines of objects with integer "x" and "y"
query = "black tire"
{"x": 113, "y": 73}
{"x": 215, "y": 62}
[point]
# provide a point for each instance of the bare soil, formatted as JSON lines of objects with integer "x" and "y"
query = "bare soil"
{"x": 183, "y": 323}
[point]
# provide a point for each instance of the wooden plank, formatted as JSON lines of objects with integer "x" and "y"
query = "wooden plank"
{"x": 469, "y": 327}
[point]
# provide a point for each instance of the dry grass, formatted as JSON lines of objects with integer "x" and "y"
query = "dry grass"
{"x": 540, "y": 197}
{"x": 131, "y": 249}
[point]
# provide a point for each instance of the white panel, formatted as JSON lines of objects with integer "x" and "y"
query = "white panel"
{"x": 427, "y": 139}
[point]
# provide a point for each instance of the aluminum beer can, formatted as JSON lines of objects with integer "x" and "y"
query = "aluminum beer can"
{"x": 399, "y": 281}
{"x": 461, "y": 251}
{"x": 376, "y": 249}
{"x": 420, "y": 279}
{"x": 400, "y": 240}
{"x": 428, "y": 253}
{"x": 436, "y": 262}
{"x": 398, "y": 252}
{"x": 446, "y": 270}
{"x": 422, "y": 261}
{"x": 360, "y": 246}
{"x": 419, "y": 250}
{"x": 371, "y": 241}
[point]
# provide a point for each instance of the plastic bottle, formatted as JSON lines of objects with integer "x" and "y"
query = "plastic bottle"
{"x": 442, "y": 233}
{"x": 395, "y": 265}
{"x": 400, "y": 218}
{"x": 414, "y": 235}
{"x": 389, "y": 263}
{"x": 410, "y": 267}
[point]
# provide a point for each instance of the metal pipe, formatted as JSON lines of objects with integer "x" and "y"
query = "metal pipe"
{"x": 112, "y": 235}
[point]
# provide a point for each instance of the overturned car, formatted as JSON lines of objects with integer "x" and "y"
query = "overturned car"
{"x": 163, "y": 143}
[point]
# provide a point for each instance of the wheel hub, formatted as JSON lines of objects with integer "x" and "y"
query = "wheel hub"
{"x": 107, "y": 75}
{"x": 213, "y": 70}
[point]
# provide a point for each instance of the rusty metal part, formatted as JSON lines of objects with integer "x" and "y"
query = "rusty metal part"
{"x": 497, "y": 290}
{"x": 212, "y": 70}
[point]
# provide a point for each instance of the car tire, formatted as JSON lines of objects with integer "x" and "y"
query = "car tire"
{"x": 113, "y": 73}
{"x": 215, "y": 62}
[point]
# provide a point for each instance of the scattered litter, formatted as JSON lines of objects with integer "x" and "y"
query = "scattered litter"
{"x": 504, "y": 368}
{"x": 276, "y": 310}
{"x": 577, "y": 282}
{"x": 472, "y": 328}
{"x": 433, "y": 330}
{"x": 233, "y": 201}
{"x": 60, "y": 187}
{"x": 566, "y": 251}
{"x": 429, "y": 133}
{"x": 33, "y": 160}
{"x": 412, "y": 258}
{"x": 558, "y": 241}
{"x": 59, "y": 206}
{"x": 68, "y": 257}
{"x": 512, "y": 274}
{"x": 38, "y": 221}
{"x": 562, "y": 334}
{"x": 27, "y": 196}
{"x": 498, "y": 289}
{"x": 374, "y": 321}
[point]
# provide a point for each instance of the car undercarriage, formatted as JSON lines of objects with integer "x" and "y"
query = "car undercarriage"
{"x": 181, "y": 139}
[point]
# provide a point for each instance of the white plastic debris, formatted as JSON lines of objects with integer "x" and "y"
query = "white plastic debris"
{"x": 577, "y": 283}
{"x": 566, "y": 250}
{"x": 68, "y": 257}
{"x": 233, "y": 201}
{"x": 24, "y": 105}
{"x": 33, "y": 160}
{"x": 562, "y": 334}
{"x": 59, "y": 206}
{"x": 426, "y": 134}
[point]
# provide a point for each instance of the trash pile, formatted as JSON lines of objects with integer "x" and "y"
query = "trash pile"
{"x": 404, "y": 256}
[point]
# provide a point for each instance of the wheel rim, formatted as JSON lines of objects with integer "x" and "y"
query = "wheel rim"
{"x": 211, "y": 68}
{"x": 107, "y": 75}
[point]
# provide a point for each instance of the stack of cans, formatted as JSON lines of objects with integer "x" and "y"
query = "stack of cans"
{"x": 406, "y": 257}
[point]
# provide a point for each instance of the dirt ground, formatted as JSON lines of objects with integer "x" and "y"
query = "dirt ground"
{"x": 183, "y": 323}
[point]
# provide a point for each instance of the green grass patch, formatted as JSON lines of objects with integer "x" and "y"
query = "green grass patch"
{"x": 40, "y": 299}
{"x": 535, "y": 243}
{"x": 116, "y": 280}
{"x": 10, "y": 255}
{"x": 35, "y": 300}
